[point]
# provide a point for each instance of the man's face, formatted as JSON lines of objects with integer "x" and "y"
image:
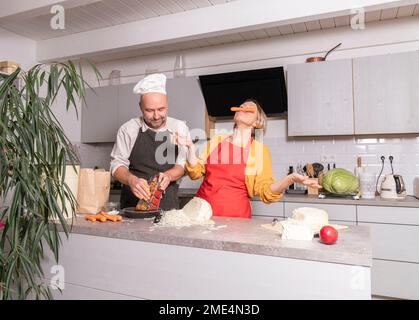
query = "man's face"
{"x": 154, "y": 109}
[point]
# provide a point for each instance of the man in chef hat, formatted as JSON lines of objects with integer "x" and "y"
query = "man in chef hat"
{"x": 137, "y": 153}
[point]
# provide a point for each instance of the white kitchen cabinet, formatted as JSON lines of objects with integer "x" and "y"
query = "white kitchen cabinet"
{"x": 128, "y": 103}
{"x": 187, "y": 103}
{"x": 336, "y": 212}
{"x": 395, "y": 249}
{"x": 395, "y": 215}
{"x": 394, "y": 242}
{"x": 386, "y": 93}
{"x": 395, "y": 279}
{"x": 99, "y": 115}
{"x": 275, "y": 209}
{"x": 320, "y": 98}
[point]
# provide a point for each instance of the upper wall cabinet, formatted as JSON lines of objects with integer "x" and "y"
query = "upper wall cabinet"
{"x": 186, "y": 102}
{"x": 128, "y": 103}
{"x": 320, "y": 98}
{"x": 107, "y": 108}
{"x": 386, "y": 93}
{"x": 99, "y": 114}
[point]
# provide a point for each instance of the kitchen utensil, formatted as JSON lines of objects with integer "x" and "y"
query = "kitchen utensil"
{"x": 316, "y": 59}
{"x": 310, "y": 170}
{"x": 155, "y": 196}
{"x": 317, "y": 167}
{"x": 313, "y": 191}
{"x": 393, "y": 187}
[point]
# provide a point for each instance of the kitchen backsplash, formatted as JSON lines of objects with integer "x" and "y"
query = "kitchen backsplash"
{"x": 343, "y": 151}
{"x": 286, "y": 151}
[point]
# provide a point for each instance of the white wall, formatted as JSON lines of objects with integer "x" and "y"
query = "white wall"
{"x": 17, "y": 48}
{"x": 392, "y": 36}
{"x": 21, "y": 50}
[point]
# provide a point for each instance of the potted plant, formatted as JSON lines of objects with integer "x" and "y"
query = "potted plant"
{"x": 34, "y": 152}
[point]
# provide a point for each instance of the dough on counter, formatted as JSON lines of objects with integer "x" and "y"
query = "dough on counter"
{"x": 314, "y": 217}
{"x": 195, "y": 212}
{"x": 175, "y": 218}
{"x": 198, "y": 210}
{"x": 295, "y": 230}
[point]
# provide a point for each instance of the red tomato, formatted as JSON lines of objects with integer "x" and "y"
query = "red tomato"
{"x": 328, "y": 235}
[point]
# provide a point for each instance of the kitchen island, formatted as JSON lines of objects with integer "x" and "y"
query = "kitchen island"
{"x": 233, "y": 259}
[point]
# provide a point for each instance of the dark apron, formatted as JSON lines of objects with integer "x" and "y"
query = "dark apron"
{"x": 143, "y": 164}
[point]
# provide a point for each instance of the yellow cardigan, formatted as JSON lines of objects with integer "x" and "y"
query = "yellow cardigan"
{"x": 258, "y": 169}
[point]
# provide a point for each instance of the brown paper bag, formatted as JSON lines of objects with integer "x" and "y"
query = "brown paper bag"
{"x": 93, "y": 190}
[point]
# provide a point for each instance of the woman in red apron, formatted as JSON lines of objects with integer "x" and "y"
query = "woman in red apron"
{"x": 237, "y": 167}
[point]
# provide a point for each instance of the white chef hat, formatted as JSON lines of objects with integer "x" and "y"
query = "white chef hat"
{"x": 152, "y": 83}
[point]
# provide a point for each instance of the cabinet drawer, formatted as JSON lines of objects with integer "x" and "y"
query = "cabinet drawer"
{"x": 394, "y": 242}
{"x": 388, "y": 215}
{"x": 260, "y": 208}
{"x": 395, "y": 279}
{"x": 335, "y": 211}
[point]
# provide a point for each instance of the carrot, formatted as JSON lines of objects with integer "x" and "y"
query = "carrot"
{"x": 246, "y": 109}
{"x": 90, "y": 217}
{"x": 119, "y": 217}
{"x": 109, "y": 217}
{"x": 100, "y": 218}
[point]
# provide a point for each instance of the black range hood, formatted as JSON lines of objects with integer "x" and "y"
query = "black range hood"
{"x": 225, "y": 90}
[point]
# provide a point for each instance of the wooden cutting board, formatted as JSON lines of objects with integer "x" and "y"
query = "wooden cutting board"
{"x": 277, "y": 228}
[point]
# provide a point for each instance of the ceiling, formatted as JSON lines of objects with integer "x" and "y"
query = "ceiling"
{"x": 336, "y": 22}
{"x": 101, "y": 14}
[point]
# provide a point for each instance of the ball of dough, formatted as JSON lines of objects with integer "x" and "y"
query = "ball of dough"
{"x": 198, "y": 210}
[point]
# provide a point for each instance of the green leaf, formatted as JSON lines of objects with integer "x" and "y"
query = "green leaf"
{"x": 33, "y": 154}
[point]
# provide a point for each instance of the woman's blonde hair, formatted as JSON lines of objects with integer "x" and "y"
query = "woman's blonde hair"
{"x": 262, "y": 119}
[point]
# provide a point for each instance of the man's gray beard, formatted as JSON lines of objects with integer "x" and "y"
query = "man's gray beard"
{"x": 152, "y": 127}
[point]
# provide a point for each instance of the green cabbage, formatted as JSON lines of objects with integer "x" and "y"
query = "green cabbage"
{"x": 340, "y": 181}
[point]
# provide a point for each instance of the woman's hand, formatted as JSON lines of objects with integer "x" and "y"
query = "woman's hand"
{"x": 298, "y": 178}
{"x": 185, "y": 141}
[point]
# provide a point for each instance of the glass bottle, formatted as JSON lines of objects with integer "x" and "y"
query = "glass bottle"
{"x": 290, "y": 171}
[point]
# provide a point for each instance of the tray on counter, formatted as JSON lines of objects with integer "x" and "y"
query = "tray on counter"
{"x": 353, "y": 196}
{"x": 132, "y": 213}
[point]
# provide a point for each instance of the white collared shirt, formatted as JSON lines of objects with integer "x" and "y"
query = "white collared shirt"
{"x": 127, "y": 135}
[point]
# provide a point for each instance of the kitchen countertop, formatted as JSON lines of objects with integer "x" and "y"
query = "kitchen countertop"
{"x": 239, "y": 235}
{"x": 409, "y": 201}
